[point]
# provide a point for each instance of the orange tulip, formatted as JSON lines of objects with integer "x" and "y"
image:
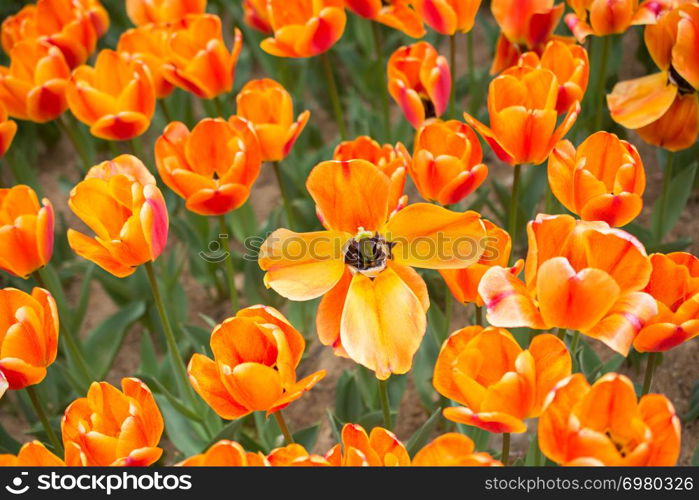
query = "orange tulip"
{"x": 26, "y": 231}
{"x": 522, "y": 108}
{"x": 142, "y": 12}
{"x": 419, "y": 81}
{"x": 256, "y": 16}
{"x": 113, "y": 427}
{"x": 524, "y": 24}
{"x": 499, "y": 384}
{"x": 32, "y": 454}
{"x": 267, "y": 105}
{"x": 225, "y": 453}
{"x": 256, "y": 353}
{"x": 295, "y": 455}
{"x": 71, "y": 25}
{"x": 601, "y": 17}
{"x": 28, "y": 337}
{"x": 453, "y": 450}
{"x": 120, "y": 202}
{"x": 397, "y": 14}
{"x": 304, "y": 28}
{"x": 393, "y": 161}
{"x": 569, "y": 63}
{"x": 34, "y": 86}
{"x": 380, "y": 448}
{"x": 8, "y": 129}
{"x": 212, "y": 167}
{"x": 447, "y": 161}
{"x": 604, "y": 424}
{"x": 603, "y": 180}
{"x": 197, "y": 58}
{"x": 463, "y": 283}
{"x": 579, "y": 275}
{"x": 115, "y": 98}
{"x": 674, "y": 284}
{"x": 148, "y": 44}
{"x": 664, "y": 107}
{"x": 448, "y": 16}
{"x": 374, "y": 305}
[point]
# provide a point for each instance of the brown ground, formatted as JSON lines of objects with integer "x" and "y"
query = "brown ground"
{"x": 674, "y": 378}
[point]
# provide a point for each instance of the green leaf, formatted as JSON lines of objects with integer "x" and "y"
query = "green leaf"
{"x": 307, "y": 436}
{"x": 103, "y": 343}
{"x": 176, "y": 404}
{"x": 678, "y": 193}
{"x": 84, "y": 298}
{"x": 187, "y": 436}
{"x": 349, "y": 406}
{"x": 422, "y": 435}
{"x": 693, "y": 412}
{"x": 695, "y": 456}
{"x": 8, "y": 444}
{"x": 148, "y": 359}
{"x": 335, "y": 424}
{"x": 229, "y": 431}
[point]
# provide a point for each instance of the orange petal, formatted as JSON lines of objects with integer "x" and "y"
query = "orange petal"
{"x": 205, "y": 378}
{"x": 492, "y": 421}
{"x": 639, "y": 102}
{"x": 508, "y": 301}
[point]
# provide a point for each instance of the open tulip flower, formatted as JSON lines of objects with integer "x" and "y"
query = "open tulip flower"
{"x": 8, "y": 129}
{"x": 120, "y": 202}
{"x": 225, "y": 453}
{"x": 603, "y": 180}
{"x": 256, "y": 16}
{"x": 256, "y": 353}
{"x": 601, "y": 17}
{"x": 663, "y": 108}
{"x": 453, "y": 450}
{"x": 605, "y": 424}
{"x": 674, "y": 284}
{"x": 448, "y": 16}
{"x": 26, "y": 231}
{"x": 447, "y": 161}
{"x": 393, "y": 161}
{"x": 397, "y": 14}
{"x": 525, "y": 25}
{"x": 143, "y": 12}
{"x": 113, "y": 427}
{"x": 380, "y": 448}
{"x": 115, "y": 98}
{"x": 419, "y": 81}
{"x": 73, "y": 26}
{"x": 197, "y": 58}
{"x": 374, "y": 305}
{"x": 499, "y": 384}
{"x": 295, "y": 455}
{"x": 523, "y": 116}
{"x": 268, "y": 107}
{"x": 212, "y": 167}
{"x": 32, "y": 454}
{"x": 28, "y": 337}
{"x": 463, "y": 283}
{"x": 34, "y": 86}
{"x": 304, "y": 28}
{"x": 148, "y": 44}
{"x": 579, "y": 275}
{"x": 570, "y": 64}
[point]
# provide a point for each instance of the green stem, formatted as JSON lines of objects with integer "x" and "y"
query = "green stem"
{"x": 230, "y": 270}
{"x": 385, "y": 404}
{"x": 285, "y": 196}
{"x": 479, "y": 315}
{"x": 75, "y": 354}
{"x": 177, "y": 364}
{"x": 561, "y": 334}
{"x": 514, "y": 198}
{"x": 452, "y": 69}
{"x": 667, "y": 178}
{"x": 288, "y": 437}
{"x": 219, "y": 106}
{"x": 471, "y": 61}
{"x": 448, "y": 309}
{"x": 39, "y": 409}
{"x": 334, "y": 95}
{"x": 650, "y": 368}
{"x": 574, "y": 347}
{"x": 165, "y": 109}
{"x": 378, "y": 46}
{"x": 599, "y": 94}
{"x": 505, "y": 455}
{"x": 70, "y": 132}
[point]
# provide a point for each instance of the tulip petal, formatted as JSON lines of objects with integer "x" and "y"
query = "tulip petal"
{"x": 637, "y": 103}
{"x": 204, "y": 377}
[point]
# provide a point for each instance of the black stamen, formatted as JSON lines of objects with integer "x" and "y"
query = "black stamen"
{"x": 368, "y": 253}
{"x": 683, "y": 85}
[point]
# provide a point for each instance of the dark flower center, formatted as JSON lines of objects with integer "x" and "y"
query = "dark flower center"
{"x": 366, "y": 253}
{"x": 683, "y": 85}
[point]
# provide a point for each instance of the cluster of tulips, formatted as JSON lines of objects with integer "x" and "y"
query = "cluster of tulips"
{"x": 581, "y": 276}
